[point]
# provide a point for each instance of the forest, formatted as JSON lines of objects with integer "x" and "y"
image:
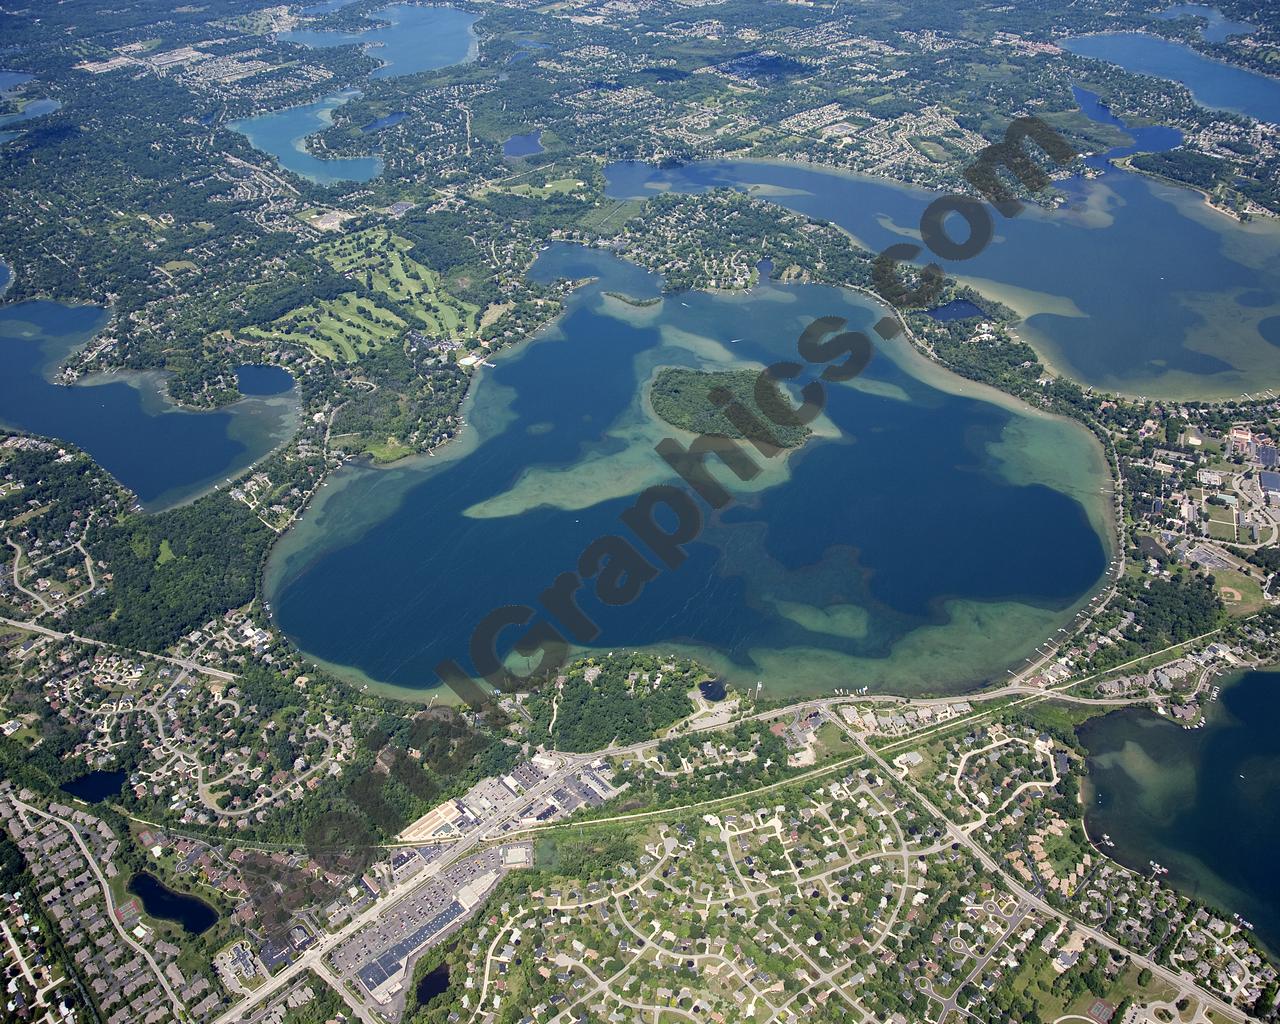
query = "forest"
{"x": 173, "y": 572}
{"x": 725, "y": 404}
{"x": 624, "y": 698}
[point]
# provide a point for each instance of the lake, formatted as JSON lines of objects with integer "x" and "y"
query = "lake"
{"x": 30, "y": 111}
{"x": 1213, "y": 83}
{"x": 95, "y": 787}
{"x": 159, "y": 901}
{"x": 263, "y": 380}
{"x": 418, "y": 38}
{"x": 164, "y": 454}
{"x": 1219, "y": 29}
{"x": 9, "y": 83}
{"x": 327, "y": 7}
{"x": 956, "y": 309}
{"x": 931, "y": 534}
{"x": 1133, "y": 286}
{"x": 389, "y": 121}
{"x": 282, "y": 133}
{"x": 523, "y": 145}
{"x": 1204, "y": 803}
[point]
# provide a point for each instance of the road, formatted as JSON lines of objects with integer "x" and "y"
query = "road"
{"x": 313, "y": 958}
{"x": 54, "y": 634}
{"x": 17, "y": 579}
{"x": 177, "y": 1004}
{"x": 1180, "y": 981}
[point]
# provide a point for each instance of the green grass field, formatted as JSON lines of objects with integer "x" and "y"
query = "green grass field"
{"x": 381, "y": 260}
{"x": 1220, "y": 530}
{"x": 557, "y": 186}
{"x": 1240, "y": 593}
{"x": 344, "y": 328}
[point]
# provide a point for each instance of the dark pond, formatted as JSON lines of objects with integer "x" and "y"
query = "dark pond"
{"x": 95, "y": 787}
{"x": 394, "y": 118}
{"x": 713, "y": 690}
{"x": 433, "y": 983}
{"x": 159, "y": 901}
{"x": 957, "y": 309}
{"x": 523, "y": 145}
{"x": 263, "y": 380}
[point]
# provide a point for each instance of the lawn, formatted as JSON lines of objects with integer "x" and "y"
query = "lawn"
{"x": 832, "y": 742}
{"x": 388, "y": 451}
{"x": 381, "y": 260}
{"x": 344, "y": 328}
{"x": 558, "y": 186}
{"x": 1240, "y": 593}
{"x": 611, "y": 215}
{"x": 1222, "y": 531}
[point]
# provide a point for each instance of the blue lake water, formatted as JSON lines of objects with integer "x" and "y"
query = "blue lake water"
{"x": 523, "y": 145}
{"x": 418, "y": 38}
{"x": 956, "y": 309}
{"x": 34, "y": 109}
{"x": 40, "y": 107}
{"x": 930, "y": 535}
{"x": 327, "y": 7}
{"x": 1204, "y": 803}
{"x": 164, "y": 454}
{"x": 1144, "y": 138}
{"x": 253, "y": 379}
{"x": 10, "y": 80}
{"x": 1219, "y": 29}
{"x": 390, "y": 120}
{"x": 1133, "y": 286}
{"x": 159, "y": 901}
{"x": 527, "y": 49}
{"x": 95, "y": 787}
{"x": 1212, "y": 82}
{"x": 282, "y": 133}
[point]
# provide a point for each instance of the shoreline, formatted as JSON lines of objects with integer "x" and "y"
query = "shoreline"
{"x": 1201, "y": 890}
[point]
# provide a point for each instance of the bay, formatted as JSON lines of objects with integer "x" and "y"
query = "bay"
{"x": 283, "y": 133}
{"x": 417, "y": 39}
{"x": 1213, "y": 83}
{"x": 1133, "y": 286}
{"x": 1219, "y": 27}
{"x": 164, "y": 454}
{"x": 1204, "y": 803}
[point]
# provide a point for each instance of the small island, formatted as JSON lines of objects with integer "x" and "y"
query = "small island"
{"x": 683, "y": 398}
